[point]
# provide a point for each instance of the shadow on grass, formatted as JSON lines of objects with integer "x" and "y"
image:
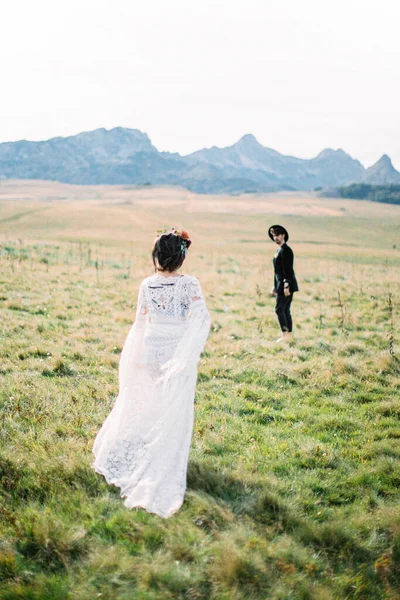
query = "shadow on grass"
{"x": 247, "y": 499}
{"x": 20, "y": 482}
{"x": 242, "y": 497}
{"x": 267, "y": 509}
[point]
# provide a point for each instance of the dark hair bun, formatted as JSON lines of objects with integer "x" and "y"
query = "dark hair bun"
{"x": 169, "y": 251}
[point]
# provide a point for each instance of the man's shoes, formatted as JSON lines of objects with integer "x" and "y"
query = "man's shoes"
{"x": 285, "y": 338}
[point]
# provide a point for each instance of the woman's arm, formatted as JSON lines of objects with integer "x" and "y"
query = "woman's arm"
{"x": 133, "y": 345}
{"x": 142, "y": 307}
{"x": 190, "y": 347}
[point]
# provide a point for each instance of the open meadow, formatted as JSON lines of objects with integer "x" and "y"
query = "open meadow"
{"x": 294, "y": 473}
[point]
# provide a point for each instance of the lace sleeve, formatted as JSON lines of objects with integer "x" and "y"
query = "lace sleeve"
{"x": 134, "y": 342}
{"x": 190, "y": 347}
{"x": 142, "y": 307}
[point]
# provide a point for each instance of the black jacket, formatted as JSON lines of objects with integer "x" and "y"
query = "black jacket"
{"x": 283, "y": 266}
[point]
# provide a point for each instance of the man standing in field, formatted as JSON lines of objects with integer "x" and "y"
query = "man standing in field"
{"x": 285, "y": 283}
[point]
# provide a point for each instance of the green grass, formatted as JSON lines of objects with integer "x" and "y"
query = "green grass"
{"x": 294, "y": 478}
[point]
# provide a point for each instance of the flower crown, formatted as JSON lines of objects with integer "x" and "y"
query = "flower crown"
{"x": 185, "y": 239}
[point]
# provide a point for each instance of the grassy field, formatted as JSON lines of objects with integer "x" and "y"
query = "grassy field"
{"x": 293, "y": 483}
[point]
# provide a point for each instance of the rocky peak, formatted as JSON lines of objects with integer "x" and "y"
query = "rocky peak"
{"x": 330, "y": 152}
{"x": 248, "y": 141}
{"x": 382, "y": 172}
{"x": 384, "y": 161}
{"x": 131, "y": 139}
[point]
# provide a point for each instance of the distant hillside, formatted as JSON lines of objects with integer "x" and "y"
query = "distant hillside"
{"x": 249, "y": 158}
{"x": 389, "y": 194}
{"x": 127, "y": 156}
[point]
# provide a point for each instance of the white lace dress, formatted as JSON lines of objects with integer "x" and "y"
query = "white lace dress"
{"x": 143, "y": 445}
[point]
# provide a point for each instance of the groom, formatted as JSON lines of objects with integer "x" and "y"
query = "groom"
{"x": 285, "y": 283}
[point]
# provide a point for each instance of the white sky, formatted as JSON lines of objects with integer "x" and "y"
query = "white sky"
{"x": 301, "y": 75}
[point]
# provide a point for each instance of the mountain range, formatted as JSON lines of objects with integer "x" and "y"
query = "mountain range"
{"x": 127, "y": 156}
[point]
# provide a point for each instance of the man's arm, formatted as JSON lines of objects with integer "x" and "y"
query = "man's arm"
{"x": 287, "y": 267}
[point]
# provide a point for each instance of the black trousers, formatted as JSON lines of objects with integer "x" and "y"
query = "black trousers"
{"x": 282, "y": 309}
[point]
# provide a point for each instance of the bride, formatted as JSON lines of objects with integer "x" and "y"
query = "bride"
{"x": 143, "y": 445}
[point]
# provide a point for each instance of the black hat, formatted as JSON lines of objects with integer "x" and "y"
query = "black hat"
{"x": 278, "y": 227}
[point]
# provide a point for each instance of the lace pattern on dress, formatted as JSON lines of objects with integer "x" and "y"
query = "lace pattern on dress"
{"x": 143, "y": 446}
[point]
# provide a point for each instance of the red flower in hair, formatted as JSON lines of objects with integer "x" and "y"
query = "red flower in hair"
{"x": 183, "y": 234}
